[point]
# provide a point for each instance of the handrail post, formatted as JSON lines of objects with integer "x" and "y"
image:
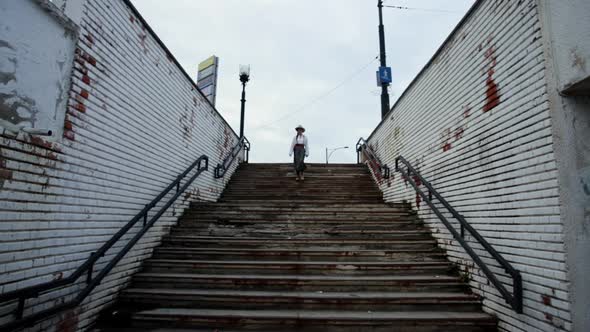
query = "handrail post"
{"x": 517, "y": 289}
{"x": 20, "y": 309}
{"x": 90, "y": 269}
{"x": 145, "y": 215}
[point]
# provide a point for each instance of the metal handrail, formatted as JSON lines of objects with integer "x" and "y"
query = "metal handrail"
{"x": 222, "y": 168}
{"x": 514, "y": 299}
{"x": 362, "y": 147}
{"x": 88, "y": 266}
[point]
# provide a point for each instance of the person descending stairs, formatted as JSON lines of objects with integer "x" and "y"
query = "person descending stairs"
{"x": 274, "y": 254}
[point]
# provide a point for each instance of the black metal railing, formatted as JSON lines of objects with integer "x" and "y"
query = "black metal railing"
{"x": 87, "y": 268}
{"x": 412, "y": 176}
{"x": 222, "y": 168}
{"x": 363, "y": 149}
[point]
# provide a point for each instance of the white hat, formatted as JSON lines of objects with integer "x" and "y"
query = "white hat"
{"x": 299, "y": 127}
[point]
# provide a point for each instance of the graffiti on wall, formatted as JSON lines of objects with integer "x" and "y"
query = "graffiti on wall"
{"x": 36, "y": 60}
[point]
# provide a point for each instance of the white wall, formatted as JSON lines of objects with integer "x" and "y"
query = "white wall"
{"x": 568, "y": 34}
{"x": 134, "y": 121}
{"x": 567, "y": 41}
{"x": 477, "y": 123}
{"x": 35, "y": 66}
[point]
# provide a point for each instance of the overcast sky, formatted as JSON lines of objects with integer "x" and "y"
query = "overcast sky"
{"x": 300, "y": 50}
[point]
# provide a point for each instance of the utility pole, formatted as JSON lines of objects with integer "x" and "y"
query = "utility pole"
{"x": 383, "y": 56}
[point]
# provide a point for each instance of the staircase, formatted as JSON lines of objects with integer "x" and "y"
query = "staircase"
{"x": 277, "y": 255}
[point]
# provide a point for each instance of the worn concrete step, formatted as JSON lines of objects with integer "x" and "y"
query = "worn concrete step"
{"x": 280, "y": 233}
{"x": 295, "y": 197}
{"x": 279, "y": 219}
{"x": 288, "y": 282}
{"x": 400, "y": 223}
{"x": 292, "y": 230}
{"x": 310, "y": 226}
{"x": 293, "y": 243}
{"x": 291, "y": 183}
{"x": 331, "y": 184}
{"x": 286, "y": 193}
{"x": 317, "y": 320}
{"x": 301, "y": 201}
{"x": 355, "y": 175}
{"x": 286, "y": 204}
{"x": 328, "y": 254}
{"x": 240, "y": 299}
{"x": 310, "y": 170}
{"x": 302, "y": 213}
{"x": 312, "y": 208}
{"x": 298, "y": 267}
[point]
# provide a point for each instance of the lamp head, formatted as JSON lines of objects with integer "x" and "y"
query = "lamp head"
{"x": 244, "y": 73}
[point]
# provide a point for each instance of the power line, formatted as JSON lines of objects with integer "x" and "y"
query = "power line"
{"x": 317, "y": 99}
{"x": 423, "y": 9}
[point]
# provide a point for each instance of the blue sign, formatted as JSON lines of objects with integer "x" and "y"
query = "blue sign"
{"x": 385, "y": 75}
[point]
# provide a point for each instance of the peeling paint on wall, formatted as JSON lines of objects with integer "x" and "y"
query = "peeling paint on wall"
{"x": 5, "y": 174}
{"x": 32, "y": 56}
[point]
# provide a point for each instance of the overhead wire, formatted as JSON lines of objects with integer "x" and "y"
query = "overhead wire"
{"x": 423, "y": 9}
{"x": 306, "y": 106}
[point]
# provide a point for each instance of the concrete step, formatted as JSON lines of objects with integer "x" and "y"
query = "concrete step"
{"x": 269, "y": 219}
{"x": 290, "y": 230}
{"x": 338, "y": 223}
{"x": 288, "y": 210}
{"x": 309, "y": 226}
{"x": 283, "y": 232}
{"x": 240, "y": 299}
{"x": 295, "y": 243}
{"x": 314, "y": 283}
{"x": 295, "y": 197}
{"x": 286, "y": 205}
{"x": 328, "y": 254}
{"x": 298, "y": 267}
{"x": 301, "y": 201}
{"x": 302, "y": 213}
{"x": 316, "y": 320}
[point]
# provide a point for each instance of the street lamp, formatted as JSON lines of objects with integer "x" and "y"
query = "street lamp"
{"x": 244, "y": 78}
{"x": 328, "y": 155}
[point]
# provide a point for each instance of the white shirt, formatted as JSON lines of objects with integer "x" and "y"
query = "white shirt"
{"x": 299, "y": 140}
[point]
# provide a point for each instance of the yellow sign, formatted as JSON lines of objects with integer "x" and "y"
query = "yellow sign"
{"x": 207, "y": 63}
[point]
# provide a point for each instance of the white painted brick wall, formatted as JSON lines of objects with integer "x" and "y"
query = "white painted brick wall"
{"x": 134, "y": 123}
{"x": 495, "y": 166}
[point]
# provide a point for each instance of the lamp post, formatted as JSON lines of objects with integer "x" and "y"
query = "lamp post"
{"x": 383, "y": 56}
{"x": 332, "y": 151}
{"x": 244, "y": 78}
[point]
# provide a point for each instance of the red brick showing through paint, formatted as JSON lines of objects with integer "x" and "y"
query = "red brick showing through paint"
{"x": 447, "y": 147}
{"x": 5, "y": 174}
{"x": 492, "y": 94}
{"x": 80, "y": 107}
